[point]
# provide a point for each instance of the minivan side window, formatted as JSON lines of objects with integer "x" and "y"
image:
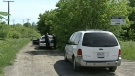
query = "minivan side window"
{"x": 77, "y": 39}
{"x": 99, "y": 40}
{"x": 73, "y": 38}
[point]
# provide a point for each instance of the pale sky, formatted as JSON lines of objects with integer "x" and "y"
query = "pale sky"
{"x": 26, "y": 9}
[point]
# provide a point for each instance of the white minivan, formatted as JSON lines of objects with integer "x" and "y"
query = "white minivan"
{"x": 93, "y": 48}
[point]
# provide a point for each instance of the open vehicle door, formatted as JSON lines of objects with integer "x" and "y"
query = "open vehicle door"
{"x": 35, "y": 40}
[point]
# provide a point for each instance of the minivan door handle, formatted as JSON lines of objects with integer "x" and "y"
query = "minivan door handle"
{"x": 100, "y": 49}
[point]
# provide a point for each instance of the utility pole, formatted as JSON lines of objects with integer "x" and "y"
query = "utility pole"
{"x": 13, "y": 21}
{"x": 23, "y": 21}
{"x": 8, "y": 9}
{"x": 28, "y": 20}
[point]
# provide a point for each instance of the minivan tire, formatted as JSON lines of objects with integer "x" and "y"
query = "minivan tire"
{"x": 112, "y": 69}
{"x": 75, "y": 67}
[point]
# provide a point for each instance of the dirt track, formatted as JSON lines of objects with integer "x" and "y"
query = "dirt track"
{"x": 32, "y": 61}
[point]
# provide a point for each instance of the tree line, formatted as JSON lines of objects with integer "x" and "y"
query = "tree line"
{"x": 75, "y": 15}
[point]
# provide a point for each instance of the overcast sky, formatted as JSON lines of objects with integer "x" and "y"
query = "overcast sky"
{"x": 27, "y": 9}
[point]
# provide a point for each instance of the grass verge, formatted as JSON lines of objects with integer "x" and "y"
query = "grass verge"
{"x": 8, "y": 50}
{"x": 128, "y": 50}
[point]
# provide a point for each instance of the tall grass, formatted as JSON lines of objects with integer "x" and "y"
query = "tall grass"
{"x": 8, "y": 50}
{"x": 128, "y": 50}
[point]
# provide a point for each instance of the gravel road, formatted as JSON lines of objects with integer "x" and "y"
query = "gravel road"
{"x": 32, "y": 61}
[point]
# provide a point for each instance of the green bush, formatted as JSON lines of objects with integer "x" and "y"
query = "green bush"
{"x": 14, "y": 35}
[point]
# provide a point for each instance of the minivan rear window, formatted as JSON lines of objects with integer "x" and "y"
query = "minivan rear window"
{"x": 99, "y": 40}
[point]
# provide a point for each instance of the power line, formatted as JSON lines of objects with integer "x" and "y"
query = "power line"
{"x": 13, "y": 21}
{"x": 23, "y": 21}
{"x": 8, "y": 9}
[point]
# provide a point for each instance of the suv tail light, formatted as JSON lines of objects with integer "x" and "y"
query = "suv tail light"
{"x": 79, "y": 53}
{"x": 119, "y": 53}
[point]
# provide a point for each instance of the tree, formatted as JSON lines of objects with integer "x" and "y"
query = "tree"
{"x": 132, "y": 15}
{"x": 130, "y": 31}
{"x": 34, "y": 24}
{"x": 45, "y": 22}
{"x": 18, "y": 24}
{"x": 2, "y": 14}
{"x": 27, "y": 24}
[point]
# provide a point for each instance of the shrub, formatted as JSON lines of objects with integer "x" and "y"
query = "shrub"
{"x": 14, "y": 35}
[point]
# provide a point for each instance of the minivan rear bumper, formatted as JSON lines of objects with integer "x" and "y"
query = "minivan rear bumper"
{"x": 81, "y": 62}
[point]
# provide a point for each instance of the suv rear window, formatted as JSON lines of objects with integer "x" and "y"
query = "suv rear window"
{"x": 99, "y": 40}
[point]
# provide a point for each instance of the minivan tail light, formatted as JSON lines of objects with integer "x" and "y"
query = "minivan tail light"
{"x": 119, "y": 53}
{"x": 79, "y": 53}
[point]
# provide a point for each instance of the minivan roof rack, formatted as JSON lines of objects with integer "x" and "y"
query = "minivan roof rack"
{"x": 94, "y": 29}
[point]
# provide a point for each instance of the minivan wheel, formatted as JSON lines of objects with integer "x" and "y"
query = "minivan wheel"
{"x": 75, "y": 67}
{"x": 65, "y": 57}
{"x": 112, "y": 69}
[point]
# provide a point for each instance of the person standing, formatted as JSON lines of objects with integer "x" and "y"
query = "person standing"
{"x": 54, "y": 39}
{"x": 47, "y": 40}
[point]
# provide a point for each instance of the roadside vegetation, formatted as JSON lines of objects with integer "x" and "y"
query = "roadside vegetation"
{"x": 128, "y": 50}
{"x": 8, "y": 50}
{"x": 12, "y": 39}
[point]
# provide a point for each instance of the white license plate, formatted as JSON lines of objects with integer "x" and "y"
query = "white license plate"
{"x": 42, "y": 44}
{"x": 100, "y": 54}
